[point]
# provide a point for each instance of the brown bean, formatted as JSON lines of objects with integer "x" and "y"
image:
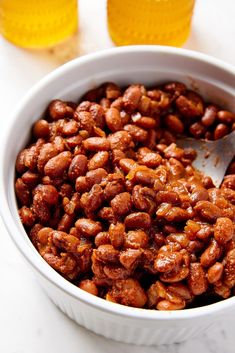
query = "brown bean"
{"x": 59, "y": 110}
{"x": 121, "y": 204}
{"x": 209, "y": 116}
{"x": 65, "y": 264}
{"x": 81, "y": 184}
{"x": 229, "y": 269}
{"x": 175, "y": 88}
{"x": 190, "y": 105}
{"x": 144, "y": 105}
{"x": 130, "y": 258}
{"x": 41, "y": 209}
{"x": 114, "y": 186}
{"x": 136, "y": 239}
{"x": 30, "y": 179}
{"x": 229, "y": 182}
{"x": 198, "y": 194}
{"x": 220, "y": 131}
{"x": 128, "y": 292}
{"x": 113, "y": 119}
{"x": 175, "y": 275}
{"x": 41, "y": 128}
{"x": 107, "y": 214}
{"x": 215, "y": 272}
{"x": 65, "y": 241}
{"x": 132, "y": 97}
{"x": 116, "y": 234}
{"x": 95, "y": 176}
{"x": 174, "y": 124}
{"x": 47, "y": 152}
{"x": 149, "y": 158}
{"x": 88, "y": 286}
{"x": 102, "y": 238}
{"x": 20, "y": 161}
{"x": 138, "y": 220}
{"x": 49, "y": 194}
{"x": 197, "y": 279}
{"x": 197, "y": 130}
{"x": 107, "y": 253}
{"x": 127, "y": 164}
{"x": 226, "y": 117}
{"x": 172, "y": 214}
{"x": 73, "y": 141}
{"x": 146, "y": 123}
{"x": 166, "y": 262}
{"x": 181, "y": 290}
{"x": 99, "y": 160}
{"x": 22, "y": 192}
{"x": 78, "y": 167}
{"x": 116, "y": 272}
{"x": 168, "y": 196}
{"x": 70, "y": 128}
{"x": 143, "y": 198}
{"x": 27, "y": 217}
{"x": 120, "y": 140}
{"x": 223, "y": 230}
{"x": 92, "y": 200}
{"x": 145, "y": 176}
{"x": 211, "y": 254}
{"x": 167, "y": 305}
{"x": 66, "y": 222}
{"x": 137, "y": 133}
{"x": 57, "y": 166}
{"x": 208, "y": 210}
{"x": 172, "y": 151}
{"x": 112, "y": 91}
{"x": 96, "y": 144}
{"x": 87, "y": 227}
{"x": 222, "y": 290}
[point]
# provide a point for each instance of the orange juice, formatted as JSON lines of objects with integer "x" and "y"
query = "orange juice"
{"x": 164, "y": 22}
{"x": 38, "y": 23}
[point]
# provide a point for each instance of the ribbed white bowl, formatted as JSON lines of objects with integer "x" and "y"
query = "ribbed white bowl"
{"x": 149, "y": 65}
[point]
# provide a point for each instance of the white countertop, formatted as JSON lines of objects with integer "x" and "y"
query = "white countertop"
{"x": 29, "y": 322}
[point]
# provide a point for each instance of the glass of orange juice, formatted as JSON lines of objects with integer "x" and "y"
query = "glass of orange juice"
{"x": 164, "y": 22}
{"x": 38, "y": 23}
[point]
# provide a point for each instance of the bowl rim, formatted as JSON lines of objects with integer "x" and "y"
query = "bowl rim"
{"x": 36, "y": 261}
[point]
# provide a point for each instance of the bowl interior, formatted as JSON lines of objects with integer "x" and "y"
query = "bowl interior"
{"x": 147, "y": 65}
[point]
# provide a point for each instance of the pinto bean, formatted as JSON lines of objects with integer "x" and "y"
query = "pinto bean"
{"x": 208, "y": 210}
{"x": 137, "y": 133}
{"x": 120, "y": 140}
{"x": 88, "y": 286}
{"x": 128, "y": 292}
{"x": 136, "y": 239}
{"x": 87, "y": 227}
{"x": 116, "y": 234}
{"x": 57, "y": 166}
{"x": 223, "y": 230}
{"x": 211, "y": 254}
{"x": 121, "y": 204}
{"x": 99, "y": 160}
{"x": 197, "y": 279}
{"x": 78, "y": 167}
{"x": 96, "y": 144}
{"x": 138, "y": 220}
{"x": 113, "y": 119}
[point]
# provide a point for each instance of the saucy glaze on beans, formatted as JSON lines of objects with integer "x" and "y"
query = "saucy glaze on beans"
{"x": 113, "y": 205}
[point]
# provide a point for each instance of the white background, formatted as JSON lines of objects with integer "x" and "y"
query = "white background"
{"x": 29, "y": 322}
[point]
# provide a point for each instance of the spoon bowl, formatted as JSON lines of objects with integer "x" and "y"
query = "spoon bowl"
{"x": 213, "y": 157}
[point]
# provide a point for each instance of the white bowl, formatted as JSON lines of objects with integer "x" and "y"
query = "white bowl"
{"x": 149, "y": 65}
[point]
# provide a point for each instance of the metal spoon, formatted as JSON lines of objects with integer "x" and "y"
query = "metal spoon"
{"x": 213, "y": 157}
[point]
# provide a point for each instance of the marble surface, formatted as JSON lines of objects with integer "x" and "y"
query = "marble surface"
{"x": 29, "y": 322}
